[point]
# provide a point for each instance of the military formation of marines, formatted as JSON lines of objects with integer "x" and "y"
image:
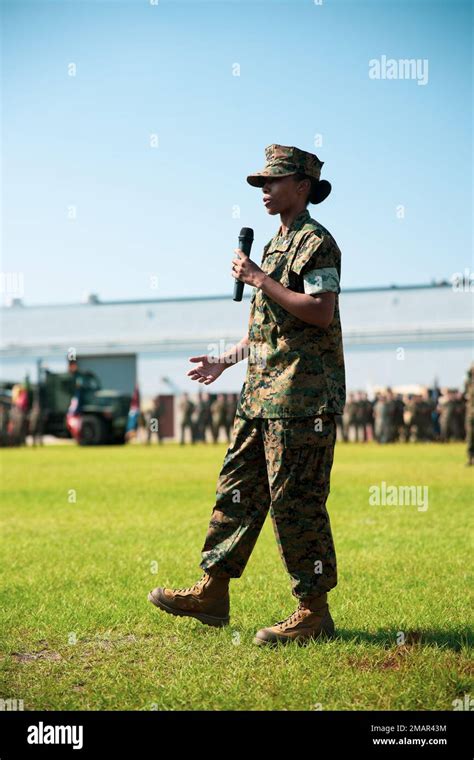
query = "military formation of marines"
{"x": 430, "y": 415}
{"x": 205, "y": 417}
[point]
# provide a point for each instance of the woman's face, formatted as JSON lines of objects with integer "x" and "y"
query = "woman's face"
{"x": 281, "y": 194}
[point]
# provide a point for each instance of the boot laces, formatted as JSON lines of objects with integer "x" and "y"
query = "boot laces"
{"x": 294, "y": 615}
{"x": 196, "y": 585}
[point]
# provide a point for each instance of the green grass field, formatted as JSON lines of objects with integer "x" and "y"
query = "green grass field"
{"x": 77, "y": 631}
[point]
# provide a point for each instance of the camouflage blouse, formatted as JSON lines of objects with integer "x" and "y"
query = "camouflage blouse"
{"x": 294, "y": 368}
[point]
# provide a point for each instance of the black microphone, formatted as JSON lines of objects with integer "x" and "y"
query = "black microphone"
{"x": 245, "y": 244}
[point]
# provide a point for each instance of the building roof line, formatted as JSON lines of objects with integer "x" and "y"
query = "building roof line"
{"x": 246, "y": 296}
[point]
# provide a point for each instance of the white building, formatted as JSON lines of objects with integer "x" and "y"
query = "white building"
{"x": 392, "y": 336}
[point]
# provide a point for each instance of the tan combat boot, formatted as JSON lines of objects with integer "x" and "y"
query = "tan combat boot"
{"x": 310, "y": 620}
{"x": 207, "y": 601}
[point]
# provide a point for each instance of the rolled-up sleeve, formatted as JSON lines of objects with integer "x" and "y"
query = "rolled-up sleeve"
{"x": 321, "y": 281}
{"x": 318, "y": 263}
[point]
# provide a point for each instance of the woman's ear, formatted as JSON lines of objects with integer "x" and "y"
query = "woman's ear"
{"x": 305, "y": 187}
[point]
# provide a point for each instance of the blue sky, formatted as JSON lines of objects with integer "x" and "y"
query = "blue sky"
{"x": 163, "y": 221}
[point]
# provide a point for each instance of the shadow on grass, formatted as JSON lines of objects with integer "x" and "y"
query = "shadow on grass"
{"x": 454, "y": 639}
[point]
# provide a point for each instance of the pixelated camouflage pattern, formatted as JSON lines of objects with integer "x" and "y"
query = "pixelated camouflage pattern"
{"x": 284, "y": 160}
{"x": 294, "y": 368}
{"x": 281, "y": 465}
{"x": 321, "y": 281}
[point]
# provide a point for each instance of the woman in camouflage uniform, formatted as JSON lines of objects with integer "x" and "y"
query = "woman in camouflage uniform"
{"x": 282, "y": 448}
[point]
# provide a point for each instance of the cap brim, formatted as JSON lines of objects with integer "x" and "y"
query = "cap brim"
{"x": 323, "y": 188}
{"x": 258, "y": 179}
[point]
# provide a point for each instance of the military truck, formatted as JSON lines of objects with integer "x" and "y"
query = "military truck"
{"x": 104, "y": 412}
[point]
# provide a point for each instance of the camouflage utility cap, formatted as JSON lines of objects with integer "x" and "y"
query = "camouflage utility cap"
{"x": 284, "y": 160}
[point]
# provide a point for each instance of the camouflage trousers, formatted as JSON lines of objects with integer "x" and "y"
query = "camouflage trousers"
{"x": 283, "y": 465}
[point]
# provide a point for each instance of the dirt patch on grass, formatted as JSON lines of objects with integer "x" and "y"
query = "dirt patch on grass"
{"x": 106, "y": 642}
{"x": 393, "y": 660}
{"x": 42, "y": 654}
{"x": 109, "y": 642}
{"x": 91, "y": 644}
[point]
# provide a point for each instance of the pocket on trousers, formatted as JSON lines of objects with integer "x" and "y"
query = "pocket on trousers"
{"x": 310, "y": 449}
{"x": 309, "y": 432}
